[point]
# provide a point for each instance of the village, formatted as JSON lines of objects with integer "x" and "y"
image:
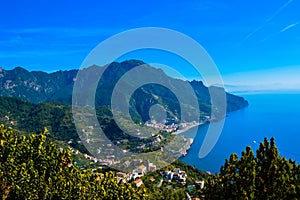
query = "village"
{"x": 169, "y": 176}
{"x": 142, "y": 170}
{"x": 147, "y": 171}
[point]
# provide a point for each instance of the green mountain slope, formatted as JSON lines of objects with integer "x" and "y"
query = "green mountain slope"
{"x": 40, "y": 87}
{"x": 27, "y": 117}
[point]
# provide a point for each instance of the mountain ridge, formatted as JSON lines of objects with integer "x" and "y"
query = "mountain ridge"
{"x": 39, "y": 86}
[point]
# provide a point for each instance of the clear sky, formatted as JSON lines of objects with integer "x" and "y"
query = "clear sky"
{"x": 255, "y": 44}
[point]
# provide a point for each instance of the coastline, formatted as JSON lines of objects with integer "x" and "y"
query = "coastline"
{"x": 188, "y": 127}
{"x": 189, "y": 141}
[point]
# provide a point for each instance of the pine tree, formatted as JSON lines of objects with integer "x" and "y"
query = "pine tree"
{"x": 264, "y": 176}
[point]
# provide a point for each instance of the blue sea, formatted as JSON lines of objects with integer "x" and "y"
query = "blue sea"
{"x": 267, "y": 115}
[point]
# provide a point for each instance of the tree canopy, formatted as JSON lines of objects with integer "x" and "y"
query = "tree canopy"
{"x": 34, "y": 168}
{"x": 265, "y": 175}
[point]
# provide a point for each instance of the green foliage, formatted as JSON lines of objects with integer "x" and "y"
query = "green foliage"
{"x": 27, "y": 117}
{"x": 167, "y": 194}
{"x": 264, "y": 176}
{"x": 33, "y": 168}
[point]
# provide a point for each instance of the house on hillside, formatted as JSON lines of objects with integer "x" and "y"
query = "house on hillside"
{"x": 121, "y": 176}
{"x": 138, "y": 182}
{"x": 151, "y": 167}
{"x": 175, "y": 175}
{"x": 143, "y": 168}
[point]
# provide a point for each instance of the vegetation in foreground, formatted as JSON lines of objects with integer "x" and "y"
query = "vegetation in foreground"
{"x": 265, "y": 175}
{"x": 32, "y": 167}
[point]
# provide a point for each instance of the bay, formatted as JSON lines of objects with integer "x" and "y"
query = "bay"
{"x": 268, "y": 115}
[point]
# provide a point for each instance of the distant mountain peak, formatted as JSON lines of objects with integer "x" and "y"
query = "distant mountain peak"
{"x": 20, "y": 70}
{"x": 195, "y": 82}
{"x": 133, "y": 61}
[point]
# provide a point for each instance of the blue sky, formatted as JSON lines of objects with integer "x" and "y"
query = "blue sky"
{"x": 250, "y": 41}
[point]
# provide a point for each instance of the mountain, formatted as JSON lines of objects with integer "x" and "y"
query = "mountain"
{"x": 28, "y": 117}
{"x": 57, "y": 118}
{"x": 31, "y": 101}
{"x": 37, "y": 87}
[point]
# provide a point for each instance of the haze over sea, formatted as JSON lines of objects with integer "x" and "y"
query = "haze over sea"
{"x": 268, "y": 115}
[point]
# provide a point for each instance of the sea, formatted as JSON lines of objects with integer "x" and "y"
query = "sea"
{"x": 268, "y": 115}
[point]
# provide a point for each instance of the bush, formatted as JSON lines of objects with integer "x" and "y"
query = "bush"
{"x": 33, "y": 168}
